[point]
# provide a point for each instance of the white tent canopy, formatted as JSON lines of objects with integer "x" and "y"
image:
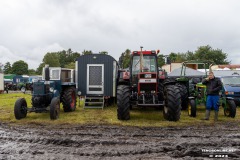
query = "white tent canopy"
{"x": 189, "y": 72}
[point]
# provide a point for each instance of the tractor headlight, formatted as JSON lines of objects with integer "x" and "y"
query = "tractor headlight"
{"x": 51, "y": 89}
{"x": 23, "y": 89}
{"x": 79, "y": 93}
{"x": 153, "y": 92}
{"x": 227, "y": 93}
{"x": 148, "y": 76}
{"x": 142, "y": 92}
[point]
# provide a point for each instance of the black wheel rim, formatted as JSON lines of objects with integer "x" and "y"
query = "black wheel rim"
{"x": 23, "y": 109}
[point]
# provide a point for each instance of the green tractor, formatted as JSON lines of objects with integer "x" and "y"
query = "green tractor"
{"x": 196, "y": 92}
{"x": 58, "y": 86}
{"x": 199, "y": 96}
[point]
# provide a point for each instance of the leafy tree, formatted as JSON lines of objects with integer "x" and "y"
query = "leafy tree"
{"x": 173, "y": 57}
{"x": 161, "y": 60}
{"x": 52, "y": 59}
{"x": 67, "y": 57}
{"x": 125, "y": 59}
{"x": 31, "y": 72}
{"x": 20, "y": 67}
{"x": 7, "y": 68}
{"x": 70, "y": 65}
{"x": 103, "y": 52}
{"x": 181, "y": 57}
{"x": 215, "y": 55}
{"x": 1, "y": 66}
{"x": 62, "y": 59}
{"x": 40, "y": 68}
{"x": 190, "y": 55}
{"x": 86, "y": 52}
{"x": 202, "y": 53}
{"x": 120, "y": 61}
{"x": 177, "y": 57}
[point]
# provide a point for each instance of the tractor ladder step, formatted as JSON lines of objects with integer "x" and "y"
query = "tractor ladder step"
{"x": 93, "y": 102}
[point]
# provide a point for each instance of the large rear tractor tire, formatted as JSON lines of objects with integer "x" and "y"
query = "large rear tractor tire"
{"x": 184, "y": 95}
{"x": 160, "y": 94}
{"x": 230, "y": 109}
{"x": 54, "y": 108}
{"x": 20, "y": 108}
{"x": 123, "y": 102}
{"x": 161, "y": 91}
{"x": 69, "y": 99}
{"x": 172, "y": 108}
{"x": 192, "y": 108}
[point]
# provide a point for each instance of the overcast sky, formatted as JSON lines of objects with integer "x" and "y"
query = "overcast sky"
{"x": 31, "y": 28}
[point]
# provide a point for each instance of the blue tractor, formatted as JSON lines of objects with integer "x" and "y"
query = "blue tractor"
{"x": 58, "y": 86}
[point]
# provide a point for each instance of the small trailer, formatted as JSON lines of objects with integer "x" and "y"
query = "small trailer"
{"x": 96, "y": 77}
{"x": 1, "y": 83}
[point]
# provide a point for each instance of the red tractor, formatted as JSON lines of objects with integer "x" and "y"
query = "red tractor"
{"x": 143, "y": 84}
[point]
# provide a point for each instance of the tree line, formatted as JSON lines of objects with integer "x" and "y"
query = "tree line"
{"x": 217, "y": 56}
{"x": 66, "y": 59}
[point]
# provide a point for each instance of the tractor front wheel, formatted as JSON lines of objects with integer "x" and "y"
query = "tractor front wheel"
{"x": 20, "y": 108}
{"x": 172, "y": 108}
{"x": 69, "y": 99}
{"x": 123, "y": 102}
{"x": 230, "y": 109}
{"x": 54, "y": 108}
{"x": 192, "y": 109}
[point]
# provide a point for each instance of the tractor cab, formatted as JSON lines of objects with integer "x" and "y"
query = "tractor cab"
{"x": 62, "y": 77}
{"x": 144, "y": 77}
{"x": 149, "y": 67}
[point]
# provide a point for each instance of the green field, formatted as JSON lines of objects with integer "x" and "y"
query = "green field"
{"x": 108, "y": 116}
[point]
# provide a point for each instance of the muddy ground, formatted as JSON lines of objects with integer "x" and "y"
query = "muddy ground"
{"x": 117, "y": 142}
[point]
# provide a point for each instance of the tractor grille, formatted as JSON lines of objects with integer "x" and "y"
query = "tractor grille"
{"x": 95, "y": 75}
{"x": 152, "y": 75}
{"x": 147, "y": 87}
{"x": 38, "y": 88}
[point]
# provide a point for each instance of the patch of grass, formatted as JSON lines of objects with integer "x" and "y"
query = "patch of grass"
{"x": 139, "y": 117}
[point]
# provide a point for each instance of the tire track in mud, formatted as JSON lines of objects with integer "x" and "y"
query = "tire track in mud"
{"x": 113, "y": 142}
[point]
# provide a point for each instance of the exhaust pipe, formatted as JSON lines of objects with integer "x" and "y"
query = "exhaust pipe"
{"x": 47, "y": 74}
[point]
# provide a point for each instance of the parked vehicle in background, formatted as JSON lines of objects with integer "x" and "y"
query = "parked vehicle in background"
{"x": 1, "y": 83}
{"x": 231, "y": 87}
{"x": 8, "y": 82}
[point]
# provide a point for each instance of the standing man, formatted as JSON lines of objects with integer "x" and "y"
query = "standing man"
{"x": 214, "y": 85}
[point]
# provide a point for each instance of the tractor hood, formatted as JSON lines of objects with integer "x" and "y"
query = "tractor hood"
{"x": 232, "y": 88}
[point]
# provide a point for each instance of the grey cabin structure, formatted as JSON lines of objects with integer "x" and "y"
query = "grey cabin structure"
{"x": 96, "y": 78}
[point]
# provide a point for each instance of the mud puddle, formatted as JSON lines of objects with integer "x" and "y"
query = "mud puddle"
{"x": 117, "y": 142}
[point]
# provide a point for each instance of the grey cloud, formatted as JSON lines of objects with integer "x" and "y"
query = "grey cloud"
{"x": 40, "y": 26}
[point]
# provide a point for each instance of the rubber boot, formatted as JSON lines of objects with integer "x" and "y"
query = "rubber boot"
{"x": 216, "y": 116}
{"x": 207, "y": 115}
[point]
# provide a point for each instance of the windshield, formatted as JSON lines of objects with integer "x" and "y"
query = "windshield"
{"x": 149, "y": 64}
{"x": 231, "y": 80}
